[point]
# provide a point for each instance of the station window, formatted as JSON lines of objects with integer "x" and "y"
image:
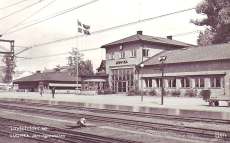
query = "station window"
{"x": 145, "y": 52}
{"x": 158, "y": 82}
{"x": 199, "y": 82}
{"x": 133, "y": 53}
{"x": 215, "y": 81}
{"x": 172, "y": 82}
{"x": 111, "y": 56}
{"x": 185, "y": 82}
{"x": 122, "y": 55}
{"x": 122, "y": 79}
{"x": 148, "y": 82}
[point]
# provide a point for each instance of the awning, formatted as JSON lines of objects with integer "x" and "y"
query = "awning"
{"x": 95, "y": 80}
{"x": 63, "y": 85}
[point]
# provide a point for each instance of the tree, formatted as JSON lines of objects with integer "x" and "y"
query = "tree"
{"x": 217, "y": 21}
{"x": 57, "y": 68}
{"x": 8, "y": 69}
{"x": 84, "y": 67}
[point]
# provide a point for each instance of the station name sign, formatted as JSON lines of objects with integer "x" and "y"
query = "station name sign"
{"x": 121, "y": 62}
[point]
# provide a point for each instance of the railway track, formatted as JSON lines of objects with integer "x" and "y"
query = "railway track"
{"x": 201, "y": 132}
{"x": 68, "y": 136}
{"x": 136, "y": 114}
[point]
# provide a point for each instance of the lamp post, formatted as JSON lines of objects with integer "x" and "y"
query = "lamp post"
{"x": 162, "y": 59}
{"x": 142, "y": 65}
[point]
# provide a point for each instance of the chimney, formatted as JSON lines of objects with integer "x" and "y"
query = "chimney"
{"x": 38, "y": 71}
{"x": 139, "y": 32}
{"x": 169, "y": 37}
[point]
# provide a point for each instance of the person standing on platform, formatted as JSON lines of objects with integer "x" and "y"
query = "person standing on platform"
{"x": 53, "y": 92}
{"x": 41, "y": 89}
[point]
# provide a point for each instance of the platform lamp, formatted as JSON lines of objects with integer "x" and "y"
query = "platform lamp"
{"x": 142, "y": 65}
{"x": 162, "y": 59}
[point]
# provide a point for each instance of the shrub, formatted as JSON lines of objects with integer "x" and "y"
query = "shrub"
{"x": 152, "y": 92}
{"x": 105, "y": 91}
{"x": 108, "y": 91}
{"x": 175, "y": 93}
{"x": 100, "y": 92}
{"x": 133, "y": 92}
{"x": 166, "y": 93}
{"x": 190, "y": 93}
{"x": 144, "y": 92}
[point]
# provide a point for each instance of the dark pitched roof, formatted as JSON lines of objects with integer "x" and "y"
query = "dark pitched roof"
{"x": 146, "y": 38}
{"x": 47, "y": 76}
{"x": 193, "y": 54}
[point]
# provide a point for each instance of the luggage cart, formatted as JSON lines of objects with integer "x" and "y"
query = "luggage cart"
{"x": 214, "y": 99}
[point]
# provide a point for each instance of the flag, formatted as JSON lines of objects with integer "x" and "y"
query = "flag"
{"x": 79, "y": 23}
{"x": 86, "y": 26}
{"x": 86, "y": 32}
{"x": 83, "y": 28}
{"x": 79, "y": 30}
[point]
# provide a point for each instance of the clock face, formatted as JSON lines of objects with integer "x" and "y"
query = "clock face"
{"x": 121, "y": 47}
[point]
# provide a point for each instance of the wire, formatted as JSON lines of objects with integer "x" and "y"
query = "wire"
{"x": 53, "y": 16}
{"x": 108, "y": 29}
{"x": 96, "y": 32}
{"x": 29, "y": 16}
{"x": 12, "y": 5}
{"x": 41, "y": 18}
{"x": 184, "y": 34}
{"x": 27, "y": 58}
{"x": 20, "y": 10}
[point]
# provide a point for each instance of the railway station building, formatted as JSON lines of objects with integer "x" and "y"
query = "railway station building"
{"x": 123, "y": 56}
{"x": 187, "y": 67}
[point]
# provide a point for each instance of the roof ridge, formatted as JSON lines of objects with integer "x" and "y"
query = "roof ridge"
{"x": 206, "y": 45}
{"x": 120, "y": 40}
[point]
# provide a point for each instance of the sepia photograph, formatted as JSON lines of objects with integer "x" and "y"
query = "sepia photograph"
{"x": 113, "y": 71}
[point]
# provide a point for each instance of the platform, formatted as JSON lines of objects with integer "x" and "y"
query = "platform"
{"x": 180, "y": 106}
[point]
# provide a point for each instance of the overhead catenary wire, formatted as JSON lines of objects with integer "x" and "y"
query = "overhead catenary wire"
{"x": 186, "y": 33}
{"x": 176, "y": 35}
{"x": 108, "y": 29}
{"x": 29, "y": 17}
{"x": 43, "y": 17}
{"x": 59, "y": 54}
{"x": 12, "y": 4}
{"x": 51, "y": 17}
{"x": 21, "y": 10}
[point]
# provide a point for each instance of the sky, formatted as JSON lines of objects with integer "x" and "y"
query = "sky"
{"x": 99, "y": 15}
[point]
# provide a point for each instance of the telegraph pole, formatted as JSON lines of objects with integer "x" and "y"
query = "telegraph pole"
{"x": 11, "y": 48}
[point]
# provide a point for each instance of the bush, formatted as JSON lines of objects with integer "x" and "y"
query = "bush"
{"x": 152, "y": 92}
{"x": 105, "y": 91}
{"x": 133, "y": 92}
{"x": 190, "y": 93}
{"x": 166, "y": 93}
{"x": 108, "y": 91}
{"x": 100, "y": 92}
{"x": 175, "y": 93}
